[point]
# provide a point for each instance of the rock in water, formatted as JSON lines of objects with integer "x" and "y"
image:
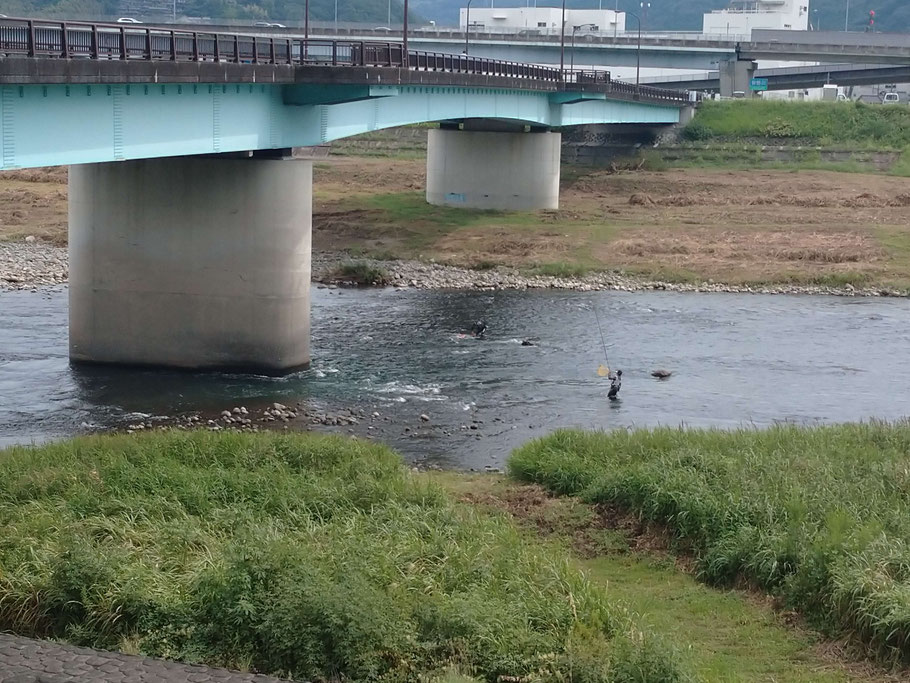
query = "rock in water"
{"x": 661, "y": 374}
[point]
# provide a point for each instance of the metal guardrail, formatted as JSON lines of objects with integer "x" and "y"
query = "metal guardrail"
{"x": 126, "y": 42}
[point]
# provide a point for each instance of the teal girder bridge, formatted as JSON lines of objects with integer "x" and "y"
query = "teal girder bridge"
{"x": 190, "y": 210}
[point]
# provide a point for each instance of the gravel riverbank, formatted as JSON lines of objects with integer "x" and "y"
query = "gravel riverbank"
{"x": 436, "y": 276}
{"x": 31, "y": 265}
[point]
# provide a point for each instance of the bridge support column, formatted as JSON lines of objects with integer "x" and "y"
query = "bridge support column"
{"x": 191, "y": 262}
{"x": 735, "y": 75}
{"x": 486, "y": 170}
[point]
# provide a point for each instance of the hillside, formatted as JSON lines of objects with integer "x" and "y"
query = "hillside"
{"x": 287, "y": 11}
{"x": 891, "y": 15}
{"x": 686, "y": 15}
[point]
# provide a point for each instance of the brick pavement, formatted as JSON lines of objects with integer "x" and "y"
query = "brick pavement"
{"x": 23, "y": 660}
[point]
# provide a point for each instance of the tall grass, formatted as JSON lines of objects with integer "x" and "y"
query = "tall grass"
{"x": 818, "y": 516}
{"x": 823, "y": 123}
{"x": 312, "y": 557}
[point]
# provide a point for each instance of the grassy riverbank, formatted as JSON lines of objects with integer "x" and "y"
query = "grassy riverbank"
{"x": 318, "y": 558}
{"x": 326, "y": 559}
{"x": 818, "y": 517}
{"x": 749, "y": 227}
{"x": 826, "y": 124}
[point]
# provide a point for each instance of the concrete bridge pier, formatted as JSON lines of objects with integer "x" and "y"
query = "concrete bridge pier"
{"x": 735, "y": 76}
{"x": 487, "y": 169}
{"x": 191, "y": 262}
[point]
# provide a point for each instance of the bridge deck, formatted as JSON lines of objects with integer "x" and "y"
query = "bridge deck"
{"x": 49, "y": 52}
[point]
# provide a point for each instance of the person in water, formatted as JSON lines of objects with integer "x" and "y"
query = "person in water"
{"x": 479, "y": 329}
{"x": 615, "y": 385}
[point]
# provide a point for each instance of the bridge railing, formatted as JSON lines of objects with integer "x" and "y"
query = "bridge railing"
{"x": 439, "y": 61}
{"x": 73, "y": 40}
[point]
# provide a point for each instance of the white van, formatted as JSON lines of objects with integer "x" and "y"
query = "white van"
{"x": 891, "y": 98}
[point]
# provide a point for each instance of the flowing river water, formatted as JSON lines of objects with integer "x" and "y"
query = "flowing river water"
{"x": 737, "y": 360}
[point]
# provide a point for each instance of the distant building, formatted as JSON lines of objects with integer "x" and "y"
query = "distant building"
{"x": 744, "y": 15}
{"x": 541, "y": 19}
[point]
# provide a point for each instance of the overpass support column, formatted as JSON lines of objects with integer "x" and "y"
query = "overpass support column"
{"x": 493, "y": 170}
{"x": 735, "y": 75}
{"x": 191, "y": 262}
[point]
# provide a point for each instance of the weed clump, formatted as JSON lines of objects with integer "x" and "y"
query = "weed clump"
{"x": 817, "y": 516}
{"x": 316, "y": 558}
{"x": 362, "y": 273}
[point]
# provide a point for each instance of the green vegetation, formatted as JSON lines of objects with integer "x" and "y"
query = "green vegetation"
{"x": 313, "y": 557}
{"x": 819, "y": 123}
{"x": 817, "y": 516}
{"x": 362, "y": 273}
{"x": 560, "y": 269}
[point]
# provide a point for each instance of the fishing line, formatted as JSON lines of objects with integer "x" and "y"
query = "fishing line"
{"x": 603, "y": 342}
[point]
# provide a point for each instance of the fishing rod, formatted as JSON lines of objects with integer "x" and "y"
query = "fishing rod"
{"x": 602, "y": 340}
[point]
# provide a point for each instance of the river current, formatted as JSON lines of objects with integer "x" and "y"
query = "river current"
{"x": 737, "y": 360}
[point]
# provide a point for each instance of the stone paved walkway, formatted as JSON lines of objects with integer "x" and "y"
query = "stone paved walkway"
{"x": 23, "y": 660}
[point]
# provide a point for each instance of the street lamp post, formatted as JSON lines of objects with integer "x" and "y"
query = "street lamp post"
{"x": 389, "y": 20}
{"x": 847, "y": 17}
{"x": 572, "y": 50}
{"x": 467, "y": 26}
{"x": 645, "y": 6}
{"x": 818, "y": 22}
{"x": 404, "y": 36}
{"x": 562, "y": 43}
{"x": 306, "y": 30}
{"x": 336, "y": 16}
{"x": 637, "y": 51}
{"x": 616, "y": 20}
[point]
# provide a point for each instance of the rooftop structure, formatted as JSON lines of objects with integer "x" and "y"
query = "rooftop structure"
{"x": 742, "y": 16}
{"x": 542, "y": 20}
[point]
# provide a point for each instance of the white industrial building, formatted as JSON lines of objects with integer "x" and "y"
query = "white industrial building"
{"x": 744, "y": 15}
{"x": 541, "y": 19}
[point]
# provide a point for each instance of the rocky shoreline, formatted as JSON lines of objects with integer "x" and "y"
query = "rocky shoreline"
{"x": 419, "y": 275}
{"x": 31, "y": 264}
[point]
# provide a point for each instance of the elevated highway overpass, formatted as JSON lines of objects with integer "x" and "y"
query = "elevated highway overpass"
{"x": 796, "y": 77}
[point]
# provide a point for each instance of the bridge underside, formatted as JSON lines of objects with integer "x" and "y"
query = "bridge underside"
{"x": 53, "y": 125}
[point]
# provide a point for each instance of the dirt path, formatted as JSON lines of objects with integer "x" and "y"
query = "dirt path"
{"x": 729, "y": 635}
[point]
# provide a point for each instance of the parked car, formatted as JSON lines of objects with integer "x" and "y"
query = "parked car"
{"x": 891, "y": 98}
{"x": 266, "y": 24}
{"x": 128, "y": 20}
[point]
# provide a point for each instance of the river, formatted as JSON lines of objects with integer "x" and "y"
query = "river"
{"x": 737, "y": 360}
